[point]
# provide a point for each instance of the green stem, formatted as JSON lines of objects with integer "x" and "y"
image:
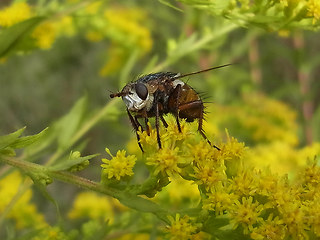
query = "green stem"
{"x": 125, "y": 197}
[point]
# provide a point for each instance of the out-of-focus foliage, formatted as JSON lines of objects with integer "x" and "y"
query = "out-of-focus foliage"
{"x": 264, "y": 185}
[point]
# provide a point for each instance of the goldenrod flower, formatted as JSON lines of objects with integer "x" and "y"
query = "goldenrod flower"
{"x": 180, "y": 228}
{"x": 245, "y": 182}
{"x": 173, "y": 131}
{"x": 267, "y": 182}
{"x": 119, "y": 166}
{"x": 202, "y": 152}
{"x": 24, "y": 213}
{"x": 209, "y": 175}
{"x": 219, "y": 200}
{"x": 311, "y": 175}
{"x": 45, "y": 34}
{"x": 15, "y": 13}
{"x": 270, "y": 229}
{"x": 180, "y": 191}
{"x": 166, "y": 161}
{"x": 150, "y": 141}
{"x": 294, "y": 216}
{"x": 245, "y": 213}
{"x": 313, "y": 214}
{"x": 314, "y": 10}
{"x": 127, "y": 26}
{"x": 233, "y": 150}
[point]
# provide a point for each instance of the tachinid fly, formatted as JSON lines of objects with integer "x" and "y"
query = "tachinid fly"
{"x": 157, "y": 94}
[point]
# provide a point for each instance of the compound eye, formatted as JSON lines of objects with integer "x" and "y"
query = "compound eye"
{"x": 141, "y": 90}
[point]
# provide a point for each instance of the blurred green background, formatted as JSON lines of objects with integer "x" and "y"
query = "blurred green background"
{"x": 92, "y": 48}
{"x": 40, "y": 86}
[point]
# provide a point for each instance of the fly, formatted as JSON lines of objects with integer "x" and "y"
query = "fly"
{"x": 158, "y": 94}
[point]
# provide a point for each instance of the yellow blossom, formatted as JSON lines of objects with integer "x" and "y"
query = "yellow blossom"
{"x": 50, "y": 233}
{"x": 128, "y": 24}
{"x": 116, "y": 54}
{"x": 180, "y": 191}
{"x": 65, "y": 26}
{"x": 202, "y": 152}
{"x": 313, "y": 214}
{"x": 313, "y": 7}
{"x": 23, "y": 212}
{"x": 259, "y": 119}
{"x": 180, "y": 228}
{"x": 173, "y": 131}
{"x": 270, "y": 229}
{"x": 45, "y": 34}
{"x": 267, "y": 182}
{"x": 15, "y": 13}
{"x": 233, "y": 150}
{"x": 150, "y": 141}
{"x": 209, "y": 175}
{"x": 293, "y": 215}
{"x": 245, "y": 182}
{"x": 245, "y": 213}
{"x": 119, "y": 166}
{"x": 279, "y": 156}
{"x": 91, "y": 205}
{"x": 166, "y": 161}
{"x": 219, "y": 200}
{"x": 311, "y": 175}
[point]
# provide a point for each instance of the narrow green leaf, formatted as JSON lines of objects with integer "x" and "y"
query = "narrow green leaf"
{"x": 8, "y": 151}
{"x": 70, "y": 163}
{"x": 43, "y": 189}
{"x": 167, "y": 3}
{"x": 28, "y": 140}
{"x": 70, "y": 123}
{"x": 11, "y": 36}
{"x": 6, "y": 140}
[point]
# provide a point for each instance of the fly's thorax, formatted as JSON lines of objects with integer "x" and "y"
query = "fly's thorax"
{"x": 137, "y": 97}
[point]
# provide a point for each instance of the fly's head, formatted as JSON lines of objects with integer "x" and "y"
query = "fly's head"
{"x": 137, "y": 96}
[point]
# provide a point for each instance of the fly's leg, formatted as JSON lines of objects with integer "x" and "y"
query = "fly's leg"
{"x": 165, "y": 124}
{"x": 138, "y": 124}
{"x": 135, "y": 126}
{"x": 199, "y": 106}
{"x": 200, "y": 129}
{"x": 146, "y": 121}
{"x": 177, "y": 97}
{"x": 157, "y": 125}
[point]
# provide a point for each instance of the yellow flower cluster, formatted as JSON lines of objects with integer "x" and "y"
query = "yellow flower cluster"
{"x": 47, "y": 32}
{"x": 23, "y": 213}
{"x": 314, "y": 10}
{"x": 128, "y": 25}
{"x": 181, "y": 228}
{"x": 127, "y": 30}
{"x": 255, "y": 200}
{"x": 91, "y": 205}
{"x": 166, "y": 161}
{"x": 15, "y": 13}
{"x": 119, "y": 166}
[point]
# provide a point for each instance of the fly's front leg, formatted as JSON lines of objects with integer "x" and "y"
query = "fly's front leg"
{"x": 135, "y": 126}
{"x": 138, "y": 123}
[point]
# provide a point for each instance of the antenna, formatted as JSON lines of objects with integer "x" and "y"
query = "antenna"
{"x": 205, "y": 70}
